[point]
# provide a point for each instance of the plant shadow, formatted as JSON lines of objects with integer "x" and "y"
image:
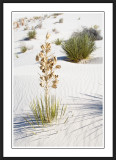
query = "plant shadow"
{"x": 19, "y": 52}
{"x": 23, "y": 123}
{"x": 63, "y": 58}
{"x": 25, "y": 39}
{"x": 94, "y": 104}
{"x": 88, "y": 120}
{"x": 96, "y": 60}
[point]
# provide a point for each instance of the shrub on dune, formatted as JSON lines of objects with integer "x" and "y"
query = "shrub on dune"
{"x": 23, "y": 49}
{"x": 79, "y": 47}
{"x": 61, "y": 20}
{"x": 32, "y": 34}
{"x": 56, "y": 14}
{"x": 93, "y": 33}
{"x": 36, "y": 17}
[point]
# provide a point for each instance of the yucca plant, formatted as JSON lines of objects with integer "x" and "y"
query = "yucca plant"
{"x": 48, "y": 65}
{"x": 47, "y": 108}
{"x": 32, "y": 34}
{"x": 78, "y": 47}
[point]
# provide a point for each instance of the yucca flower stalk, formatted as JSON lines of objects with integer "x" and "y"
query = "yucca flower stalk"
{"x": 48, "y": 66}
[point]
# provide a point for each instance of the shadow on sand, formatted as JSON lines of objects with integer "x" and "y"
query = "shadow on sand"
{"x": 87, "y": 108}
{"x": 25, "y": 39}
{"x": 63, "y": 58}
{"x": 96, "y": 60}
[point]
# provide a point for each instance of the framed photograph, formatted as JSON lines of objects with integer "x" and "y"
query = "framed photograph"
{"x": 58, "y": 80}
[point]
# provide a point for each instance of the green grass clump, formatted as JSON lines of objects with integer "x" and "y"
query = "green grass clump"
{"x": 36, "y": 17}
{"x": 23, "y": 49}
{"x": 56, "y": 14}
{"x": 61, "y": 20}
{"x": 39, "y": 111}
{"x": 58, "y": 41}
{"x": 79, "y": 47}
{"x": 32, "y": 34}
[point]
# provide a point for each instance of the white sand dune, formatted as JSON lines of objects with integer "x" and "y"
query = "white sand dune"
{"x": 81, "y": 88}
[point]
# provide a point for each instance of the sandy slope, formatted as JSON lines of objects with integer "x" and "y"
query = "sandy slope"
{"x": 80, "y": 88}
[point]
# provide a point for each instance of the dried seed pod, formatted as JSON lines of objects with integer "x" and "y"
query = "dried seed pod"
{"x": 51, "y": 67}
{"x": 42, "y": 84}
{"x": 48, "y": 45}
{"x": 43, "y": 59}
{"x": 58, "y": 66}
{"x": 41, "y": 54}
{"x": 43, "y": 70}
{"x": 55, "y": 59}
{"x": 41, "y": 67}
{"x": 47, "y": 36}
{"x": 42, "y": 63}
{"x": 37, "y": 58}
{"x": 56, "y": 76}
{"x": 42, "y": 47}
{"x": 54, "y": 86}
{"x": 55, "y": 82}
{"x": 49, "y": 60}
{"x": 46, "y": 78}
{"x": 48, "y": 50}
{"x": 47, "y": 68}
{"x": 41, "y": 77}
{"x": 51, "y": 74}
{"x": 52, "y": 63}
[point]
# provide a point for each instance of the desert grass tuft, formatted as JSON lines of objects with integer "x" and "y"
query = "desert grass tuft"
{"x": 23, "y": 49}
{"x": 40, "y": 114}
{"x": 58, "y": 41}
{"x": 61, "y": 20}
{"x": 36, "y": 17}
{"x": 32, "y": 34}
{"x": 56, "y": 14}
